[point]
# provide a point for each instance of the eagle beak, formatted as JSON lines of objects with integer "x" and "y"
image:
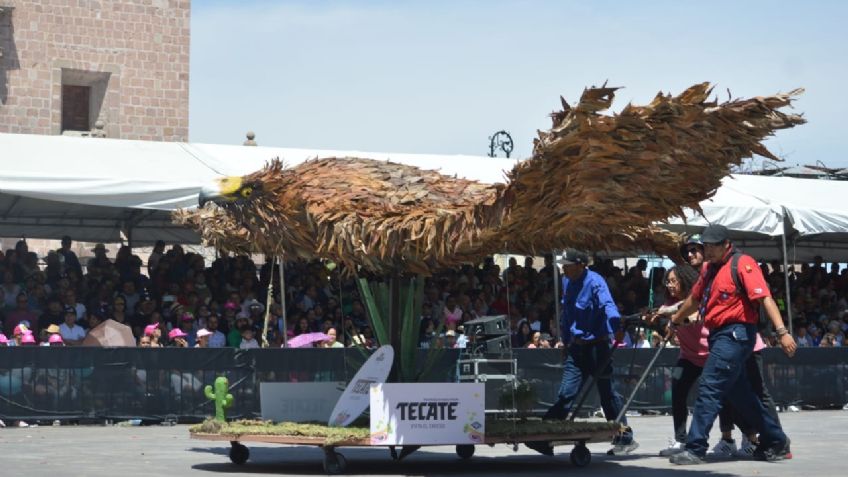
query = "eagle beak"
{"x": 208, "y": 194}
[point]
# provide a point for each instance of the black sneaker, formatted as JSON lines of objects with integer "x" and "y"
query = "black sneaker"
{"x": 686, "y": 457}
{"x": 772, "y": 453}
{"x": 542, "y": 447}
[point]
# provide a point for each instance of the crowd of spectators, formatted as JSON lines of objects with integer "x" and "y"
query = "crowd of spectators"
{"x": 177, "y": 300}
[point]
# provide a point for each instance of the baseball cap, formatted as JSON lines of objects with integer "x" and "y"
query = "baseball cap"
{"x": 176, "y": 333}
{"x": 3, "y": 339}
{"x": 714, "y": 234}
{"x": 203, "y": 332}
{"x": 69, "y": 309}
{"x": 27, "y": 338}
{"x": 148, "y": 330}
{"x": 19, "y": 330}
{"x": 55, "y": 339}
{"x": 187, "y": 317}
{"x": 573, "y": 256}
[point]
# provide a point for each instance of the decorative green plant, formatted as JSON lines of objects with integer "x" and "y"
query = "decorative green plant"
{"x": 222, "y": 398}
{"x": 377, "y": 299}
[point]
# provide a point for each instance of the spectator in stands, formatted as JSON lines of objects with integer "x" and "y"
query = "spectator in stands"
{"x": 71, "y": 332}
{"x": 154, "y": 331}
{"x": 155, "y": 256}
{"x": 802, "y": 338}
{"x": 55, "y": 340}
{"x": 178, "y": 338}
{"x": 10, "y": 288}
{"x": 523, "y": 336}
{"x": 248, "y": 339}
{"x": 70, "y": 301}
{"x": 21, "y": 314}
{"x": 144, "y": 342}
{"x": 234, "y": 337}
{"x": 72, "y": 263}
{"x": 203, "y": 338}
{"x": 216, "y": 339}
{"x": 4, "y": 341}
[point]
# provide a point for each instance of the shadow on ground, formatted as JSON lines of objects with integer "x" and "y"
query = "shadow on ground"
{"x": 376, "y": 461}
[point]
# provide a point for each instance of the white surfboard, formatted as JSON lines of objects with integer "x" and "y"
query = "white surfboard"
{"x": 356, "y": 398}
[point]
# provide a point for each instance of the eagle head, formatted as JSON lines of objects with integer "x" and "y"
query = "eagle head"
{"x": 229, "y": 190}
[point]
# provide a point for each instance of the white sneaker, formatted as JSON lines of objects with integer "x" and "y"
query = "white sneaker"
{"x": 724, "y": 449}
{"x": 22, "y": 424}
{"x": 793, "y": 409}
{"x": 746, "y": 449}
{"x": 674, "y": 447}
{"x": 2, "y": 424}
{"x": 623, "y": 449}
{"x": 845, "y": 407}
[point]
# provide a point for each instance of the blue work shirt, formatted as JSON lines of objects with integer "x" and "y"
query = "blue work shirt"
{"x": 588, "y": 310}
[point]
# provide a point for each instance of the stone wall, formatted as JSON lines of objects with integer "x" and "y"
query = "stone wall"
{"x": 132, "y": 54}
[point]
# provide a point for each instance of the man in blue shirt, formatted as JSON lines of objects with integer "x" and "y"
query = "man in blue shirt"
{"x": 589, "y": 320}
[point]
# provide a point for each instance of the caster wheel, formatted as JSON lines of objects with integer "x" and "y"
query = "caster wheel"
{"x": 334, "y": 463}
{"x": 465, "y": 451}
{"x": 239, "y": 453}
{"x": 580, "y": 456}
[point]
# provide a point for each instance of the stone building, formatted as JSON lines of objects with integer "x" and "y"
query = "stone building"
{"x": 114, "y": 68}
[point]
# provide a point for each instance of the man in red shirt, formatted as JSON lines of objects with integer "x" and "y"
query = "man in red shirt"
{"x": 732, "y": 320}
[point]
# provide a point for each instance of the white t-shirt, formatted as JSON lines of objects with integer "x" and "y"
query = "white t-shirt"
{"x": 248, "y": 344}
{"x": 71, "y": 333}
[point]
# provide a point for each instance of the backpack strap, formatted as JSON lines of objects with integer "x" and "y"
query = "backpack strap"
{"x": 764, "y": 325}
{"x": 734, "y": 272}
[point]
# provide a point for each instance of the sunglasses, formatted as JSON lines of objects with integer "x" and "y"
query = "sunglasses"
{"x": 692, "y": 250}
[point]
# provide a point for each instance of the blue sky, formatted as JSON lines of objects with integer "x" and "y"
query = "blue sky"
{"x": 441, "y": 77}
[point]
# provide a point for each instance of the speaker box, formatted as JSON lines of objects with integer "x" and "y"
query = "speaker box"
{"x": 487, "y": 326}
{"x": 493, "y": 345}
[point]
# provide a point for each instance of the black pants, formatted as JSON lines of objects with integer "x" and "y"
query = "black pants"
{"x": 684, "y": 376}
{"x": 729, "y": 416}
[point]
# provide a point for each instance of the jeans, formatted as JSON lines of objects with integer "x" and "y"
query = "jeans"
{"x": 725, "y": 377}
{"x": 729, "y": 415}
{"x": 583, "y": 361}
{"x": 685, "y": 375}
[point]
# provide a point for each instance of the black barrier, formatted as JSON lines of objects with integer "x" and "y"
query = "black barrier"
{"x": 43, "y": 383}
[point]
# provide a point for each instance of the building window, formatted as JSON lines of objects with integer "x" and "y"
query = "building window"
{"x": 76, "y": 105}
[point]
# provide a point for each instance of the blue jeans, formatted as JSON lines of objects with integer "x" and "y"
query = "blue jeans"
{"x": 724, "y": 376}
{"x": 582, "y": 362}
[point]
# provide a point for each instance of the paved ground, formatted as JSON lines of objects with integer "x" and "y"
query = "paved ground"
{"x": 819, "y": 445}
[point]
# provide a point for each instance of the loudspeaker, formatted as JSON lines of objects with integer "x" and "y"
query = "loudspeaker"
{"x": 487, "y": 326}
{"x": 498, "y": 344}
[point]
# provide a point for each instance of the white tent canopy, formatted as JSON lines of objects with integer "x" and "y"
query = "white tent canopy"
{"x": 757, "y": 208}
{"x": 97, "y": 189}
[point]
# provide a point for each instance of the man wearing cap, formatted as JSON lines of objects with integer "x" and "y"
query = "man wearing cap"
{"x": 589, "y": 320}
{"x": 72, "y": 333}
{"x": 732, "y": 320}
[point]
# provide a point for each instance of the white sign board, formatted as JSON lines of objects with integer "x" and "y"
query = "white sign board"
{"x": 298, "y": 402}
{"x": 427, "y": 413}
{"x": 355, "y": 397}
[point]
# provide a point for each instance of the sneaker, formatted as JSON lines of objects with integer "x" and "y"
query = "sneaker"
{"x": 623, "y": 444}
{"x": 686, "y": 457}
{"x": 674, "y": 447}
{"x": 774, "y": 452}
{"x": 724, "y": 449}
{"x": 746, "y": 449}
{"x": 845, "y": 407}
{"x": 542, "y": 447}
{"x": 793, "y": 409}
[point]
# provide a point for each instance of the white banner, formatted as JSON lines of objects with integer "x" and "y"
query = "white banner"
{"x": 427, "y": 413}
{"x": 299, "y": 402}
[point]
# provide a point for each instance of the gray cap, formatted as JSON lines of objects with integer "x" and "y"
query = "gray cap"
{"x": 715, "y": 234}
{"x": 572, "y": 256}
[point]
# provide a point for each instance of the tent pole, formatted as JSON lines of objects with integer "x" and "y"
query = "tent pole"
{"x": 557, "y": 297}
{"x": 786, "y": 276}
{"x": 281, "y": 262}
{"x": 269, "y": 299}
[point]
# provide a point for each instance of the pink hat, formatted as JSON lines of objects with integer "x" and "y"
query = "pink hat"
{"x": 203, "y": 332}
{"x": 187, "y": 317}
{"x": 19, "y": 330}
{"x": 230, "y": 306}
{"x": 148, "y": 330}
{"x": 176, "y": 333}
{"x": 3, "y": 339}
{"x": 55, "y": 338}
{"x": 28, "y": 338}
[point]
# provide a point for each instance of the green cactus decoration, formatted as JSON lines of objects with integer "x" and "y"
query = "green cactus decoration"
{"x": 222, "y": 398}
